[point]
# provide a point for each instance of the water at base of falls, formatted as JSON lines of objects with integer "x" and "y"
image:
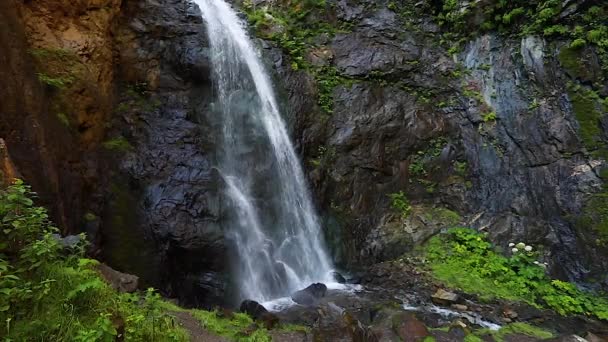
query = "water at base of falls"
{"x": 271, "y": 222}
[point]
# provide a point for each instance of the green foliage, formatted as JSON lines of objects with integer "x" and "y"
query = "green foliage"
{"x": 47, "y": 294}
{"x": 58, "y": 68}
{"x": 464, "y": 259}
{"x": 324, "y": 156}
{"x": 588, "y": 112}
{"x": 400, "y": 203}
{"x": 235, "y": 327}
{"x": 418, "y": 165}
{"x": 54, "y": 82}
{"x": 119, "y": 143}
{"x": 294, "y": 26}
{"x": 63, "y": 118}
{"x": 518, "y": 328}
{"x": 488, "y": 117}
{"x": 523, "y": 17}
{"x": 446, "y": 216}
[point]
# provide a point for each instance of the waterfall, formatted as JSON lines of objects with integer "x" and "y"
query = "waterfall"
{"x": 272, "y": 223}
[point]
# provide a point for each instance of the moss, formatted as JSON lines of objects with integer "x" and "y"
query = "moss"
{"x": 586, "y": 109}
{"x": 63, "y": 118}
{"x": 521, "y": 329}
{"x": 570, "y": 60}
{"x": 57, "y": 68}
{"x": 119, "y": 143}
{"x": 445, "y": 216}
{"x": 89, "y": 217}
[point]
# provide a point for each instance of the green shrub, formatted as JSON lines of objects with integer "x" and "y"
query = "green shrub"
{"x": 400, "y": 203}
{"x": 464, "y": 259}
{"x": 47, "y": 294}
{"x": 488, "y": 117}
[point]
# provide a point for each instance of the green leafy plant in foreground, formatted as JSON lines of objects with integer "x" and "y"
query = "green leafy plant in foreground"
{"x": 464, "y": 259}
{"x": 49, "y": 294}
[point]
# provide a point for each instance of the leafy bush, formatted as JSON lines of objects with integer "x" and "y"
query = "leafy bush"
{"x": 400, "y": 203}
{"x": 47, "y": 294}
{"x": 464, "y": 259}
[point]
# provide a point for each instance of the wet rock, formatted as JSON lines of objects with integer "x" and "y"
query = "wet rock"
{"x": 459, "y": 307}
{"x": 338, "y": 278}
{"x": 119, "y": 281}
{"x": 510, "y": 313}
{"x": 568, "y": 338}
{"x": 310, "y": 295}
{"x": 259, "y": 313}
{"x": 443, "y": 297}
{"x": 591, "y": 337}
{"x": 409, "y": 328}
{"x": 252, "y": 308}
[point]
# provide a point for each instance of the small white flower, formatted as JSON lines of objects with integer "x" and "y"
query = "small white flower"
{"x": 511, "y": 244}
{"x": 515, "y": 250}
{"x": 521, "y": 245}
{"x": 536, "y": 263}
{"x": 528, "y": 248}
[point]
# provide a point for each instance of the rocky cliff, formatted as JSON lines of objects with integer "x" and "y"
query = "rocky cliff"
{"x": 107, "y": 112}
{"x": 501, "y": 131}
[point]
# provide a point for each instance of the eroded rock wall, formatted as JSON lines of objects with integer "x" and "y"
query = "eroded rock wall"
{"x": 56, "y": 98}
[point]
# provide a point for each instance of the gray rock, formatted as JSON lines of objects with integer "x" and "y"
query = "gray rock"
{"x": 444, "y": 297}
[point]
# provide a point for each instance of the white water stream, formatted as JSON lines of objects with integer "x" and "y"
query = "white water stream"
{"x": 272, "y": 222}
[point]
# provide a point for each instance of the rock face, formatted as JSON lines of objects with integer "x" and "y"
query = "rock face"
{"x": 489, "y": 137}
{"x": 163, "y": 196}
{"x": 57, "y": 88}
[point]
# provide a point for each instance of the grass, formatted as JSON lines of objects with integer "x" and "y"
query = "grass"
{"x": 236, "y": 328}
{"x": 464, "y": 259}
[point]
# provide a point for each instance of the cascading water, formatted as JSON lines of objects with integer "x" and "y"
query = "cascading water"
{"x": 273, "y": 224}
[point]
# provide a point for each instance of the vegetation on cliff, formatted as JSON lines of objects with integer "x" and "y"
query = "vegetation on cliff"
{"x": 464, "y": 259}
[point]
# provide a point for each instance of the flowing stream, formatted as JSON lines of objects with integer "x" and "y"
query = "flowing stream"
{"x": 272, "y": 222}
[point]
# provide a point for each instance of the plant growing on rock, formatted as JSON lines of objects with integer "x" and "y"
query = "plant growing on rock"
{"x": 463, "y": 258}
{"x": 400, "y": 203}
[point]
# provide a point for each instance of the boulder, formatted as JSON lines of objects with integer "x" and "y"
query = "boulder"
{"x": 443, "y": 297}
{"x": 121, "y": 282}
{"x": 259, "y": 313}
{"x": 410, "y": 328}
{"x": 310, "y": 295}
{"x": 253, "y": 309}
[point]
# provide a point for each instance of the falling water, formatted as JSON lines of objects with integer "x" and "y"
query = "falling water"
{"x": 272, "y": 222}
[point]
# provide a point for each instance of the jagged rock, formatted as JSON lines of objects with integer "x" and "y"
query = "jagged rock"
{"x": 443, "y": 297}
{"x": 119, "y": 281}
{"x": 310, "y": 295}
